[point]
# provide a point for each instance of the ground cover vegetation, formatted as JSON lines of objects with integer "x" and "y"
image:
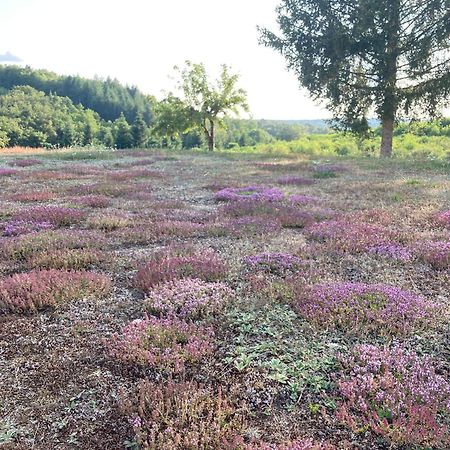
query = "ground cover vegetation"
{"x": 209, "y": 301}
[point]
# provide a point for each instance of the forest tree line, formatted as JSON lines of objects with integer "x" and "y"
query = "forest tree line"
{"x": 41, "y": 109}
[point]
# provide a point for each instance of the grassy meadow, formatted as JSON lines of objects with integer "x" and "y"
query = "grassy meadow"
{"x": 289, "y": 296}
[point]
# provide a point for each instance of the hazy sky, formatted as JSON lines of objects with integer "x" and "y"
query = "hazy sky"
{"x": 139, "y": 42}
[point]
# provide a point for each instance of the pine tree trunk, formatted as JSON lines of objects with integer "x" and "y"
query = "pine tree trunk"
{"x": 387, "y": 138}
{"x": 211, "y": 136}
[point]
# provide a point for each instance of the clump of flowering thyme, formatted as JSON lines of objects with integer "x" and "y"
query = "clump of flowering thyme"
{"x": 396, "y": 394}
{"x": 366, "y": 309}
{"x": 188, "y": 298}
{"x": 275, "y": 263}
{"x": 253, "y": 193}
{"x": 161, "y": 343}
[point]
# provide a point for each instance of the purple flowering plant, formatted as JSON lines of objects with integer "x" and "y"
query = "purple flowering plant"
{"x": 397, "y": 394}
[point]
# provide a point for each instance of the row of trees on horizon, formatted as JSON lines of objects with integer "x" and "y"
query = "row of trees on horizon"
{"x": 389, "y": 58}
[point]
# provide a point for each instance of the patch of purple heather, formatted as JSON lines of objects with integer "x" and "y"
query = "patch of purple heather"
{"x": 437, "y": 253}
{"x": 293, "y": 180}
{"x": 358, "y": 308}
{"x": 18, "y": 227}
{"x": 7, "y": 172}
{"x": 443, "y": 219}
{"x": 276, "y": 263}
{"x": 165, "y": 344}
{"x": 393, "y": 251}
{"x": 56, "y": 215}
{"x": 254, "y": 193}
{"x": 299, "y": 199}
{"x": 397, "y": 394}
{"x": 188, "y": 298}
{"x": 350, "y": 236}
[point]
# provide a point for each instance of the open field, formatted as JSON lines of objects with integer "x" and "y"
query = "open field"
{"x": 223, "y": 301}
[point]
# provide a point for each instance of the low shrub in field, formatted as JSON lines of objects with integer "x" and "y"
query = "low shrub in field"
{"x": 142, "y": 162}
{"x": 250, "y": 193}
{"x": 24, "y": 247}
{"x": 298, "y": 199}
{"x": 7, "y": 172}
{"x": 38, "y": 289}
{"x": 170, "y": 265}
{"x": 94, "y": 201}
{"x": 109, "y": 222}
{"x": 292, "y": 180}
{"x": 55, "y": 215}
{"x": 106, "y": 189}
{"x": 48, "y": 175}
{"x": 124, "y": 175}
{"x": 69, "y": 259}
{"x": 25, "y": 162}
{"x": 396, "y": 394}
{"x": 357, "y": 308}
{"x": 302, "y": 444}
{"x": 166, "y": 344}
{"x": 275, "y": 263}
{"x": 437, "y": 254}
{"x": 188, "y": 298}
{"x": 443, "y": 219}
{"x": 31, "y": 197}
{"x": 286, "y": 215}
{"x": 392, "y": 251}
{"x": 349, "y": 236}
{"x": 250, "y": 225}
{"x": 183, "y": 416}
{"x": 19, "y": 227}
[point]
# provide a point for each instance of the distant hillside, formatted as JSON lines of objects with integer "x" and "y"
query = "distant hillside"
{"x": 107, "y": 97}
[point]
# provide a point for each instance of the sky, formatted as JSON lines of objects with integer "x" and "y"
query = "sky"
{"x": 140, "y": 41}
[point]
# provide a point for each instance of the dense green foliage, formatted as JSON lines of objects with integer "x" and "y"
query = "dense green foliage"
{"x": 107, "y": 97}
{"x": 388, "y": 56}
{"x": 202, "y": 104}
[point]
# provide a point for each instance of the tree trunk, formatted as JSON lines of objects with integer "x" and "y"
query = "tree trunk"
{"x": 386, "y": 138}
{"x": 211, "y": 136}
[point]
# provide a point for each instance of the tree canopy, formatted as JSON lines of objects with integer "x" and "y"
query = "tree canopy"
{"x": 388, "y": 57}
{"x": 107, "y": 97}
{"x": 203, "y": 104}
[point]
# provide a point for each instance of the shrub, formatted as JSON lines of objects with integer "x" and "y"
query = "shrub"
{"x": 183, "y": 416}
{"x": 302, "y": 444}
{"x": 94, "y": 201}
{"x": 287, "y": 216}
{"x": 39, "y": 289}
{"x": 105, "y": 189}
{"x": 188, "y": 298}
{"x": 349, "y": 236}
{"x": 7, "y": 172}
{"x": 356, "y": 308}
{"x": 165, "y": 344}
{"x": 30, "y": 197}
{"x": 443, "y": 219}
{"x": 437, "y": 254}
{"x": 396, "y": 394}
{"x": 19, "y": 227}
{"x": 124, "y": 175}
{"x": 293, "y": 180}
{"x": 250, "y": 193}
{"x": 298, "y": 199}
{"x": 69, "y": 259}
{"x": 25, "y": 162}
{"x": 275, "y": 263}
{"x": 251, "y": 225}
{"x": 393, "y": 251}
{"x": 55, "y": 215}
{"x": 24, "y": 247}
{"x": 108, "y": 222}
{"x": 169, "y": 265}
